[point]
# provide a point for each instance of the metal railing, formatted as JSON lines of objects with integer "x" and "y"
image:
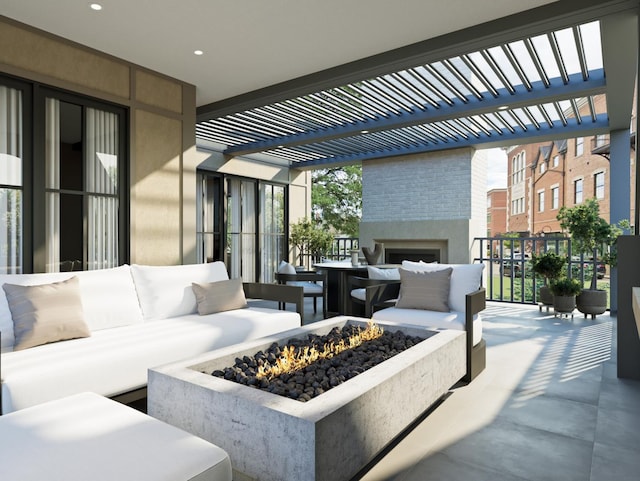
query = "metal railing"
{"x": 508, "y": 270}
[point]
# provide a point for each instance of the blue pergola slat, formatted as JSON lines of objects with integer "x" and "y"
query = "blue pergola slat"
{"x": 572, "y": 129}
{"x": 539, "y": 94}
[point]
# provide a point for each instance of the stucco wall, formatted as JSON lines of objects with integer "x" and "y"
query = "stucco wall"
{"x": 161, "y": 130}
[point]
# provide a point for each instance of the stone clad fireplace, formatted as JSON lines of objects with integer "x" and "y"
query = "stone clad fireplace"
{"x": 427, "y": 206}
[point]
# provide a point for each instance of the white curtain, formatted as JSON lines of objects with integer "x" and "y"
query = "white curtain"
{"x": 234, "y": 226}
{"x": 52, "y": 175}
{"x": 11, "y": 180}
{"x": 241, "y": 211}
{"x": 248, "y": 232}
{"x": 101, "y": 167}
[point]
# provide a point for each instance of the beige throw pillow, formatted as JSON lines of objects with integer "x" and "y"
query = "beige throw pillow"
{"x": 46, "y": 313}
{"x": 219, "y": 296}
{"x": 425, "y": 290}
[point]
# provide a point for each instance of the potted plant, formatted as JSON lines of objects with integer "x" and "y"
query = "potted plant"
{"x": 549, "y": 265}
{"x": 564, "y": 292}
{"x": 310, "y": 239}
{"x": 590, "y": 235}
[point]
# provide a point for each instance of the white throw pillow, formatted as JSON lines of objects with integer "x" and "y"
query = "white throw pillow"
{"x": 286, "y": 268}
{"x": 165, "y": 291}
{"x": 465, "y": 279}
{"x": 377, "y": 273}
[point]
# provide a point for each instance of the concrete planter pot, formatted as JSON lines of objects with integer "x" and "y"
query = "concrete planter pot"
{"x": 592, "y": 302}
{"x": 564, "y": 304}
{"x": 546, "y": 296}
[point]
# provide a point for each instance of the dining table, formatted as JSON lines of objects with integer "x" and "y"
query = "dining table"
{"x": 338, "y": 292}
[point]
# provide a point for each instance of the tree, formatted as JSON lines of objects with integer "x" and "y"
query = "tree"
{"x": 336, "y": 197}
{"x": 589, "y": 232}
{"x": 309, "y": 238}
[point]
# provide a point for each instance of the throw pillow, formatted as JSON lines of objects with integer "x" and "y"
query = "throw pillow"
{"x": 219, "y": 296}
{"x": 425, "y": 290}
{"x": 286, "y": 268}
{"x": 46, "y": 313}
{"x": 377, "y": 273}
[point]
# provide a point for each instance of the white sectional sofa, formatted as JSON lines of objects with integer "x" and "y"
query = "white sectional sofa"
{"x": 138, "y": 317}
{"x": 460, "y": 310}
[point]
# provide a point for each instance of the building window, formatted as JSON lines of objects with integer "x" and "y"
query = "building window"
{"x": 488, "y": 202}
{"x": 65, "y": 209}
{"x": 541, "y": 201}
{"x": 543, "y": 167}
{"x": 599, "y": 185}
{"x": 579, "y": 146}
{"x": 517, "y": 168}
{"x": 517, "y": 206}
{"x": 601, "y": 140}
{"x": 556, "y": 160}
{"x": 555, "y": 197}
{"x": 577, "y": 191}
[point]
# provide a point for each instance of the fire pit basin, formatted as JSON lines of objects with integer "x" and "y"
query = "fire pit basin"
{"x": 330, "y": 437}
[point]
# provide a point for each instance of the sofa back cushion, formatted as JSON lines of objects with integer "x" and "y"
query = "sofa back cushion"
{"x": 465, "y": 278}
{"x": 165, "y": 291}
{"x": 108, "y": 296}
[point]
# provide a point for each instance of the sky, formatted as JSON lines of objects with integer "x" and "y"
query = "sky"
{"x": 497, "y": 176}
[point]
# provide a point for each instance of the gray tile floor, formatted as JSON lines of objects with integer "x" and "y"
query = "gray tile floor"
{"x": 549, "y": 406}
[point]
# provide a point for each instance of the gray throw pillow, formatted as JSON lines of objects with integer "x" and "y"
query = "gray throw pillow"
{"x": 219, "y": 296}
{"x": 425, "y": 290}
{"x": 46, "y": 313}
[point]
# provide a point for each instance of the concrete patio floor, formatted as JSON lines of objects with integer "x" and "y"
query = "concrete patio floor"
{"x": 548, "y": 407}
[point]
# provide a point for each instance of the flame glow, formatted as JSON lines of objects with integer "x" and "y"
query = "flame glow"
{"x": 290, "y": 360}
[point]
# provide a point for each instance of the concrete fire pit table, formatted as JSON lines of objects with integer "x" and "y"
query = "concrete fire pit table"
{"x": 329, "y": 438}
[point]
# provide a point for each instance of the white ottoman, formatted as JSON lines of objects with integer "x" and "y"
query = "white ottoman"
{"x": 89, "y": 437}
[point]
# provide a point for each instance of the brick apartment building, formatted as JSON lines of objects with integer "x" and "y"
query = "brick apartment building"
{"x": 545, "y": 176}
{"x": 496, "y": 212}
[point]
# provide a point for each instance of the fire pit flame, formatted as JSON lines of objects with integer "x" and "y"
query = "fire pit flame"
{"x": 290, "y": 360}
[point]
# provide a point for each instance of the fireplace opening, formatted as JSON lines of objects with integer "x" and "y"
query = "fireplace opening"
{"x": 396, "y": 256}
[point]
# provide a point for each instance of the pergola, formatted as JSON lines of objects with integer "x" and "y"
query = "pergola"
{"x": 518, "y": 79}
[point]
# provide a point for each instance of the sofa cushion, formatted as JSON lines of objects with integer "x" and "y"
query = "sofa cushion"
{"x": 219, "y": 296}
{"x": 165, "y": 291}
{"x": 392, "y": 274}
{"x": 429, "y": 320}
{"x": 465, "y": 278}
{"x": 424, "y": 290}
{"x": 98, "y": 289}
{"x": 113, "y": 361}
{"x": 46, "y": 313}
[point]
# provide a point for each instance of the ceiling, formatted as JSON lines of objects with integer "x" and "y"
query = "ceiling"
{"x": 260, "y": 56}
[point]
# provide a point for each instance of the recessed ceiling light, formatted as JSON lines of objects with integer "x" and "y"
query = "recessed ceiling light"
{"x": 503, "y": 107}
{"x": 96, "y": 6}
{"x": 198, "y": 52}
{"x": 364, "y": 131}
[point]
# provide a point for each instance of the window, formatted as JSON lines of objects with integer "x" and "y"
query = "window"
{"x": 68, "y": 201}
{"x": 517, "y": 206}
{"x": 556, "y": 160}
{"x": 555, "y": 197}
{"x": 601, "y": 140}
{"x": 543, "y": 167}
{"x": 252, "y": 242}
{"x": 11, "y": 186}
{"x": 577, "y": 191}
{"x": 598, "y": 181}
{"x": 579, "y": 146}
{"x": 517, "y": 168}
{"x": 488, "y": 202}
{"x": 541, "y": 201}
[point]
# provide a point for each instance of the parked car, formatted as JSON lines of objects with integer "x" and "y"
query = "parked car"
{"x": 587, "y": 265}
{"x": 514, "y": 264}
